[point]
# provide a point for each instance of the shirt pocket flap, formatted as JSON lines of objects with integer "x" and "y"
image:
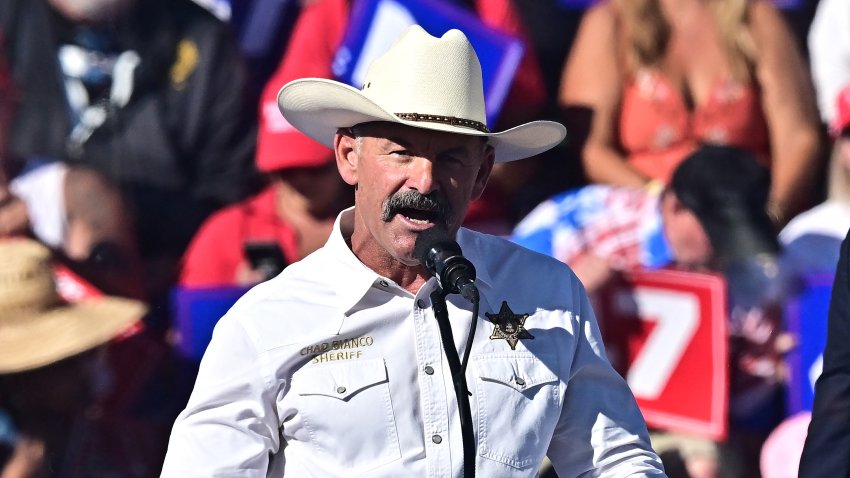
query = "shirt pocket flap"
{"x": 518, "y": 371}
{"x": 340, "y": 381}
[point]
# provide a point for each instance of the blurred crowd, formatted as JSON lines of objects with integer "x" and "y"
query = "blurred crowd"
{"x": 142, "y": 153}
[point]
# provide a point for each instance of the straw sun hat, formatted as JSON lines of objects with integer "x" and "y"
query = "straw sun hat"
{"x": 421, "y": 81}
{"x": 37, "y": 327}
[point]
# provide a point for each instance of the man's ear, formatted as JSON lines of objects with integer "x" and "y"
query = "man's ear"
{"x": 347, "y": 155}
{"x": 484, "y": 171}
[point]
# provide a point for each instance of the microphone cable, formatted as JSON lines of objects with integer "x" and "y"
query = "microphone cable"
{"x": 443, "y": 258}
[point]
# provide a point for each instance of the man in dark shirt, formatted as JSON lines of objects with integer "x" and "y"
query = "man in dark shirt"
{"x": 150, "y": 93}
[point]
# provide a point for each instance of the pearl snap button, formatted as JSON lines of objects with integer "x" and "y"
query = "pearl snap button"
{"x": 340, "y": 389}
{"x": 437, "y": 439}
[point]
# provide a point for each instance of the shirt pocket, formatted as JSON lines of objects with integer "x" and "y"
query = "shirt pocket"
{"x": 518, "y": 398}
{"x": 347, "y": 411}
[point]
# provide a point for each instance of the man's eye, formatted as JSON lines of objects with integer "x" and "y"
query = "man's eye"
{"x": 455, "y": 160}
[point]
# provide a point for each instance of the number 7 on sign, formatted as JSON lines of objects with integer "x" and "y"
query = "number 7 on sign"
{"x": 676, "y": 316}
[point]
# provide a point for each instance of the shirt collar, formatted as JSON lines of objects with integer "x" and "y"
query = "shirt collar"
{"x": 354, "y": 279}
{"x": 477, "y": 250}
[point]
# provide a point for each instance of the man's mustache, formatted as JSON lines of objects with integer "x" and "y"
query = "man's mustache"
{"x": 411, "y": 199}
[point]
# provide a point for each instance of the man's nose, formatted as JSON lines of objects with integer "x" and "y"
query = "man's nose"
{"x": 422, "y": 176}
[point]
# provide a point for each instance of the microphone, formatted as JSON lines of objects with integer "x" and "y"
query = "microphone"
{"x": 442, "y": 257}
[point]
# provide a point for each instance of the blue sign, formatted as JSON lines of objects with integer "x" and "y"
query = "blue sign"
{"x": 374, "y": 25}
{"x": 806, "y": 318}
{"x": 196, "y": 311}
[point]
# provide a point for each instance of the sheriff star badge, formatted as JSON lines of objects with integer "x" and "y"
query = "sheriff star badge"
{"x": 508, "y": 326}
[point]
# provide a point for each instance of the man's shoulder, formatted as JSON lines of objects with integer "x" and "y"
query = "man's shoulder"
{"x": 525, "y": 279}
{"x": 291, "y": 307}
{"x": 491, "y": 246}
{"x": 499, "y": 258}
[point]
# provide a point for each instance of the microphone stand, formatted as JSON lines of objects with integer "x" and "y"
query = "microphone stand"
{"x": 458, "y": 370}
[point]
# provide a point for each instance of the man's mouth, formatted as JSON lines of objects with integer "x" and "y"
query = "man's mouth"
{"x": 419, "y": 216}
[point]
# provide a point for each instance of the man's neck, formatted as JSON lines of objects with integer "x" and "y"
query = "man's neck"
{"x": 409, "y": 277}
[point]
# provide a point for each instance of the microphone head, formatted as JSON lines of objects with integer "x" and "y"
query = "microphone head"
{"x": 432, "y": 241}
{"x": 443, "y": 258}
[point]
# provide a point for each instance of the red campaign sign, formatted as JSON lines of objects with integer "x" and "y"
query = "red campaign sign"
{"x": 665, "y": 331}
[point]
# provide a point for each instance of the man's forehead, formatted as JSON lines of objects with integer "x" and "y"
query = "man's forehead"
{"x": 409, "y": 135}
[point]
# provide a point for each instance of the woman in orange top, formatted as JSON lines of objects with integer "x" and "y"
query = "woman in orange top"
{"x": 662, "y": 76}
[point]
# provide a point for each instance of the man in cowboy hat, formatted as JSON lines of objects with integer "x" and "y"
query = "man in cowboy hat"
{"x": 336, "y": 366}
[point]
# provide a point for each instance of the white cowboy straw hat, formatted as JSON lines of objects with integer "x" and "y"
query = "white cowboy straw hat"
{"x": 421, "y": 81}
{"x": 37, "y": 327}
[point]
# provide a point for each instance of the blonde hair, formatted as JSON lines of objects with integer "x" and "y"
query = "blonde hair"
{"x": 648, "y": 33}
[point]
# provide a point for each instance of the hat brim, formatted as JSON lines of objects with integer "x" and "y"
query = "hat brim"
{"x": 318, "y": 107}
{"x": 65, "y": 331}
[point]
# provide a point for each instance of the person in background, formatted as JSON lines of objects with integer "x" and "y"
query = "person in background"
{"x": 828, "y": 441}
{"x": 252, "y": 241}
{"x": 704, "y": 220}
{"x": 658, "y": 77}
{"x": 66, "y": 409}
{"x": 335, "y": 367}
{"x": 74, "y": 210}
{"x": 148, "y": 93}
{"x": 604, "y": 230}
{"x": 79, "y": 213}
{"x": 812, "y": 240}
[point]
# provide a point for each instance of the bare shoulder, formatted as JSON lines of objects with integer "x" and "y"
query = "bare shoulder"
{"x": 766, "y": 21}
{"x": 591, "y": 70}
{"x": 777, "y": 52}
{"x": 601, "y": 18}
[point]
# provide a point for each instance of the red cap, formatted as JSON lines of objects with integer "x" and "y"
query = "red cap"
{"x": 281, "y": 146}
{"x": 842, "y": 112}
